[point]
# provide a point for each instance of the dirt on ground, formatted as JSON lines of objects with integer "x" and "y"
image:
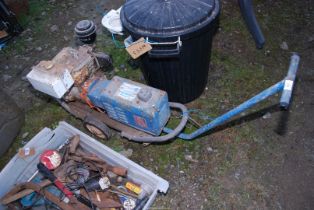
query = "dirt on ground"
{"x": 262, "y": 160}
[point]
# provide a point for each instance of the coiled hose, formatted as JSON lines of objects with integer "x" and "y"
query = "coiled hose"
{"x": 176, "y": 131}
{"x": 246, "y": 7}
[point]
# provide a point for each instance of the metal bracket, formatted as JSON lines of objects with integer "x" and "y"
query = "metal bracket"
{"x": 165, "y": 43}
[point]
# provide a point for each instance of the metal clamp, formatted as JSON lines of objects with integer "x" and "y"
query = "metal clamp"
{"x": 165, "y": 43}
{"x": 165, "y": 53}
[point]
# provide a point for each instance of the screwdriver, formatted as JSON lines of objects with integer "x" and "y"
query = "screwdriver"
{"x": 49, "y": 175}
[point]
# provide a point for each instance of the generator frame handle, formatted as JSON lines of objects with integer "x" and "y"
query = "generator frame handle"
{"x": 278, "y": 87}
{"x": 289, "y": 82}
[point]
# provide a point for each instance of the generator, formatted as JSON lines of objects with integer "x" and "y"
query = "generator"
{"x": 134, "y": 104}
{"x": 140, "y": 112}
{"x": 72, "y": 75}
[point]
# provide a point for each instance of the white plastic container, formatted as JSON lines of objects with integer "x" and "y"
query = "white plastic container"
{"x": 55, "y": 82}
{"x": 70, "y": 66}
{"x": 111, "y": 21}
{"x": 19, "y": 170}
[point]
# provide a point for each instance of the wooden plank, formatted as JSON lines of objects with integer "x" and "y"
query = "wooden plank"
{"x": 13, "y": 197}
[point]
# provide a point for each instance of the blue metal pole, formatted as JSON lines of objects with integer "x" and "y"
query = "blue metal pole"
{"x": 227, "y": 116}
{"x": 289, "y": 82}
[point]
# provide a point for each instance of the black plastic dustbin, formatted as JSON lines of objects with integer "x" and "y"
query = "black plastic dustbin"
{"x": 180, "y": 32}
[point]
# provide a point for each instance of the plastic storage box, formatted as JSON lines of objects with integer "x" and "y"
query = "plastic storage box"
{"x": 20, "y": 170}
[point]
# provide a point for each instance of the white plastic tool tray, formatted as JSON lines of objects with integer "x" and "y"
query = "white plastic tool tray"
{"x": 20, "y": 170}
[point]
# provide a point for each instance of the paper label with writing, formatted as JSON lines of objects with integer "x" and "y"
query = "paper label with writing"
{"x": 104, "y": 183}
{"x": 288, "y": 85}
{"x": 67, "y": 79}
{"x": 128, "y": 91}
{"x": 138, "y": 48}
{"x": 25, "y": 152}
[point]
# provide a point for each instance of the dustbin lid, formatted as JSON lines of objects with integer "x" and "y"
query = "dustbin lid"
{"x": 167, "y": 17}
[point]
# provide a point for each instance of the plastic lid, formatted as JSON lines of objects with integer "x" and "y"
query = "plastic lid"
{"x": 166, "y": 16}
{"x": 83, "y": 25}
{"x": 85, "y": 28}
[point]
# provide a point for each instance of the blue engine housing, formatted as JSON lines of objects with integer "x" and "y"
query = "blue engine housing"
{"x": 134, "y": 104}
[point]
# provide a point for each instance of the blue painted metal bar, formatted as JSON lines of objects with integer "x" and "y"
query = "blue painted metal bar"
{"x": 288, "y": 87}
{"x": 227, "y": 116}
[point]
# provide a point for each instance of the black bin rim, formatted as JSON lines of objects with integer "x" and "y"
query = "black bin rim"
{"x": 184, "y": 33}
